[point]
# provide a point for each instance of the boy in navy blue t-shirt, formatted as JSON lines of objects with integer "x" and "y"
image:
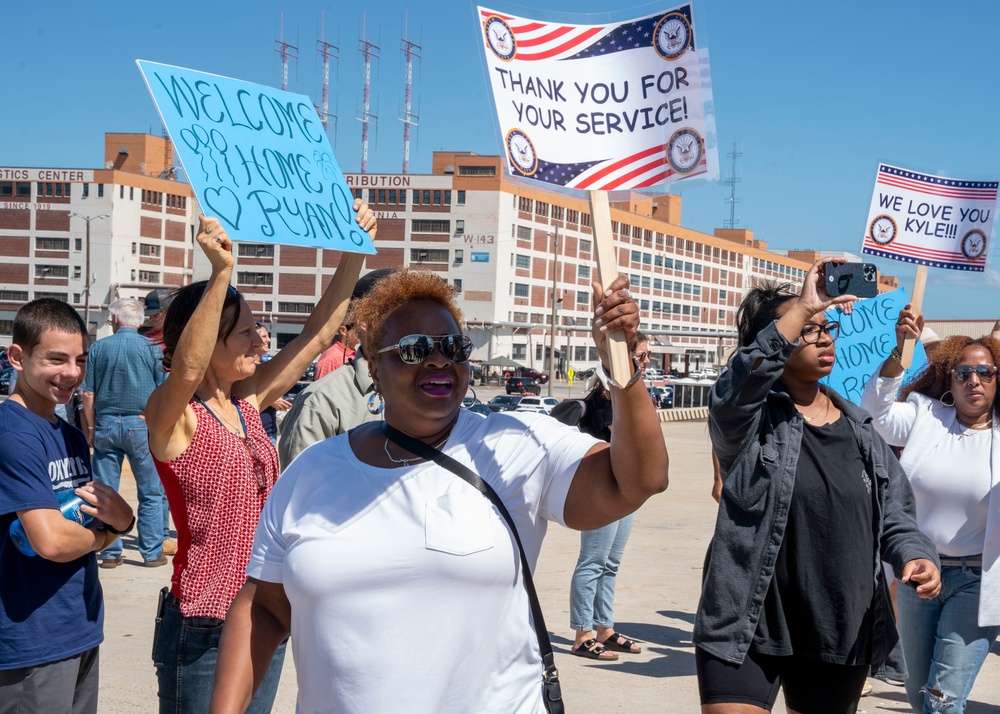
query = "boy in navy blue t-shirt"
{"x": 51, "y": 605}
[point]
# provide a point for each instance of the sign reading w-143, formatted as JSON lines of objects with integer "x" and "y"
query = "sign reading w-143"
{"x": 257, "y": 158}
{"x": 617, "y": 105}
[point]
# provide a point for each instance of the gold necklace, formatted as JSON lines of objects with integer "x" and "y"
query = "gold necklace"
{"x": 975, "y": 427}
{"x": 811, "y": 419}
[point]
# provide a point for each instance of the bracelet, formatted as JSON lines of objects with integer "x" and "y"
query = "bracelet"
{"x": 896, "y": 355}
{"x": 111, "y": 529}
{"x": 635, "y": 375}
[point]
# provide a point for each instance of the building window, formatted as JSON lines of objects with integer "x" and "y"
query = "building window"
{"x": 557, "y": 213}
{"x": 402, "y": 196}
{"x": 78, "y": 244}
{"x": 51, "y": 271}
{"x": 644, "y": 305}
{"x": 582, "y": 298}
{"x": 633, "y": 281}
{"x": 100, "y": 190}
{"x": 149, "y": 250}
{"x": 572, "y": 216}
{"x": 459, "y": 256}
{"x": 522, "y": 261}
{"x": 584, "y": 245}
{"x": 519, "y": 352}
{"x": 301, "y": 308}
{"x": 583, "y": 271}
{"x": 646, "y": 258}
{"x": 477, "y": 170}
{"x": 77, "y": 272}
{"x": 52, "y": 243}
{"x": 421, "y": 225}
{"x": 437, "y": 198}
{"x": 541, "y": 209}
{"x": 424, "y": 255}
{"x": 13, "y": 296}
{"x": 86, "y": 190}
{"x": 459, "y": 227}
{"x": 447, "y": 198}
{"x": 458, "y": 285}
{"x": 55, "y": 296}
{"x": 254, "y": 279}
{"x": 645, "y": 281}
{"x": 460, "y": 197}
{"x": 521, "y": 290}
{"x": 657, "y": 284}
{"x": 282, "y": 339}
{"x": 723, "y": 295}
{"x": 256, "y": 250}
{"x": 524, "y": 204}
{"x": 149, "y": 276}
{"x": 636, "y": 256}
{"x": 523, "y": 233}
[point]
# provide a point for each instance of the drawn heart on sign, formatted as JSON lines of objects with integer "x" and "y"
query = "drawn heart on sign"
{"x": 226, "y": 203}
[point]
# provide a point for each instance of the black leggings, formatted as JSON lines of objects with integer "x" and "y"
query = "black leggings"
{"x": 811, "y": 685}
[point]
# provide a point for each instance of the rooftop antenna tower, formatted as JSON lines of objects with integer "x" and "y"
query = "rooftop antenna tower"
{"x": 368, "y": 51}
{"x": 286, "y": 50}
{"x": 732, "y": 181}
{"x": 326, "y": 51}
{"x": 410, "y": 50}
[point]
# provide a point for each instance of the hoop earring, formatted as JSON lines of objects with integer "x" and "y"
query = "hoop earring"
{"x": 376, "y": 405}
{"x": 475, "y": 399}
{"x": 951, "y": 399}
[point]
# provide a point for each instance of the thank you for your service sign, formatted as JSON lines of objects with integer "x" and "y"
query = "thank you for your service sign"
{"x": 619, "y": 105}
{"x": 257, "y": 158}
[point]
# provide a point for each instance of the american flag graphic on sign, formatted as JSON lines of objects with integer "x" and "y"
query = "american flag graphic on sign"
{"x": 620, "y": 105}
{"x": 930, "y": 220}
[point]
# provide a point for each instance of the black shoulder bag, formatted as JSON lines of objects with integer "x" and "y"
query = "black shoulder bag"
{"x": 550, "y": 678}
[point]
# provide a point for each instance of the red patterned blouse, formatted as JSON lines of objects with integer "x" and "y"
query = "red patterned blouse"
{"x": 216, "y": 489}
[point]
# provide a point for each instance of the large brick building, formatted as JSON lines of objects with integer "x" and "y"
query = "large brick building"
{"x": 506, "y": 246}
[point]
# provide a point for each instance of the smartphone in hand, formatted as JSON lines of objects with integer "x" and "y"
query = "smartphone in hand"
{"x": 859, "y": 279}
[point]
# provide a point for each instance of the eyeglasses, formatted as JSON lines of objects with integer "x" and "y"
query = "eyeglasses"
{"x": 985, "y": 372}
{"x": 642, "y": 356}
{"x": 414, "y": 349}
{"x": 259, "y": 470}
{"x": 811, "y": 332}
{"x": 258, "y": 325}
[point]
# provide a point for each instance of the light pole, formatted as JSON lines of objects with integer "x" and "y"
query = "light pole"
{"x": 87, "y": 279}
{"x": 569, "y": 331}
{"x": 555, "y": 282}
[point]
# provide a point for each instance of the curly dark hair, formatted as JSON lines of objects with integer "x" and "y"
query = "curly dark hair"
{"x": 182, "y": 307}
{"x": 393, "y": 291}
{"x": 760, "y": 308}
{"x": 935, "y": 379}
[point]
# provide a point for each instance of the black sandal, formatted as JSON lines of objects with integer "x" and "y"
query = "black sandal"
{"x": 592, "y": 649}
{"x": 612, "y": 643}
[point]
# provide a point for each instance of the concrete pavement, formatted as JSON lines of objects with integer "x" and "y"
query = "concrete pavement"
{"x": 658, "y": 588}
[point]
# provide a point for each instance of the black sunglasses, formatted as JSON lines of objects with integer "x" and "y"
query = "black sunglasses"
{"x": 811, "y": 332}
{"x": 985, "y": 372}
{"x": 414, "y": 349}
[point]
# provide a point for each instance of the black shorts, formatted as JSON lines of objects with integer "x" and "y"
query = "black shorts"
{"x": 810, "y": 685}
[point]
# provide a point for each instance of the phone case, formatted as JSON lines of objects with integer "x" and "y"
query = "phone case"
{"x": 860, "y": 279}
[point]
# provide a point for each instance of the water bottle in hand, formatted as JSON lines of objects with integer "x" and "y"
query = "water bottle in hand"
{"x": 69, "y": 505}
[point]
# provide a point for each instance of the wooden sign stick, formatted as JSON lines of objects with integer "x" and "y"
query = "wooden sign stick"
{"x": 916, "y": 301}
{"x": 607, "y": 270}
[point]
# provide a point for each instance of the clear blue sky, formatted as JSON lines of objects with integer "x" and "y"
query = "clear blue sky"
{"x": 814, "y": 95}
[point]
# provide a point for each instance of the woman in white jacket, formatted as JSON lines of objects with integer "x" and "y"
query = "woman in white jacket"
{"x": 950, "y": 428}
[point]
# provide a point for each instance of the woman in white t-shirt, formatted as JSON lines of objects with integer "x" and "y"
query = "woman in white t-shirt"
{"x": 400, "y": 583}
{"x": 950, "y": 432}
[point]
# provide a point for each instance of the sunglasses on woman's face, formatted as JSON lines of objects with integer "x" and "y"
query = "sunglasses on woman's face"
{"x": 414, "y": 349}
{"x": 985, "y": 372}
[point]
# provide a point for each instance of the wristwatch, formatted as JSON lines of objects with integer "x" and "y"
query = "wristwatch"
{"x": 896, "y": 354}
{"x": 635, "y": 375}
{"x": 111, "y": 529}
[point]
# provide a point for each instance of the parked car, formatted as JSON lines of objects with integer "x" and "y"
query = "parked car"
{"x": 653, "y": 373}
{"x": 5, "y": 375}
{"x": 534, "y": 375}
{"x": 469, "y": 402}
{"x": 584, "y": 374}
{"x": 663, "y": 397}
{"x": 710, "y": 372}
{"x": 294, "y": 391}
{"x": 310, "y": 373}
{"x": 537, "y": 404}
{"x": 4, "y": 362}
{"x": 522, "y": 385}
{"x": 696, "y": 374}
{"x": 480, "y": 408}
{"x": 504, "y": 403}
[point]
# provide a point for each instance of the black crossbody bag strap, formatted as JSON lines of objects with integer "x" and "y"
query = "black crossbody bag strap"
{"x": 553, "y": 692}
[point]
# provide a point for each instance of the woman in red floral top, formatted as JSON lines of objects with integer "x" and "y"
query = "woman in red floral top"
{"x": 215, "y": 460}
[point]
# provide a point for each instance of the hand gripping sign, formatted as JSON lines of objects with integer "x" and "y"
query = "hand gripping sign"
{"x": 257, "y": 158}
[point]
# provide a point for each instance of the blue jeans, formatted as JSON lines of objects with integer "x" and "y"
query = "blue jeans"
{"x": 116, "y": 437}
{"x": 592, "y": 590}
{"x": 943, "y": 645}
{"x": 185, "y": 650}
